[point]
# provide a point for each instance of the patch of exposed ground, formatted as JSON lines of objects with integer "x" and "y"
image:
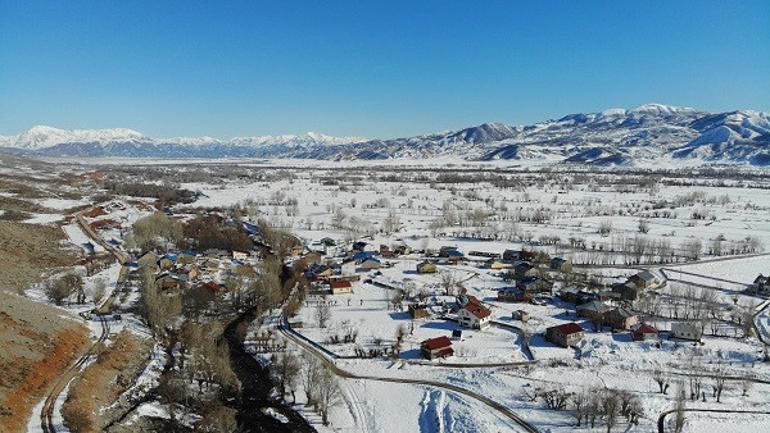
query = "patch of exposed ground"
{"x": 38, "y": 344}
{"x": 27, "y": 251}
{"x": 103, "y": 381}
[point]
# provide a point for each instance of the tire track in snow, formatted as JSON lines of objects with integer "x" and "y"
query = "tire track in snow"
{"x": 433, "y": 405}
{"x": 353, "y": 402}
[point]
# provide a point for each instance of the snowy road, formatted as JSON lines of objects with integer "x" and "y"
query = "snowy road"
{"x": 507, "y": 413}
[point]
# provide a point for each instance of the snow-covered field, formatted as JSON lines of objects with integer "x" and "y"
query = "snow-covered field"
{"x": 562, "y": 214}
{"x": 737, "y": 272}
{"x": 314, "y": 203}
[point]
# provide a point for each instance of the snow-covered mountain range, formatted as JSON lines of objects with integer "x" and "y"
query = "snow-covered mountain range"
{"x": 645, "y": 134}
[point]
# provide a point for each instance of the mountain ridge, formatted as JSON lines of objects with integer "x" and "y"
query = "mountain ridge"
{"x": 615, "y": 136}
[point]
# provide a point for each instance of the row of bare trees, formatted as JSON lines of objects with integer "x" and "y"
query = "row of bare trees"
{"x": 703, "y": 306}
{"x": 589, "y": 407}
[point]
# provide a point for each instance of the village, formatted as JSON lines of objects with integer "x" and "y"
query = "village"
{"x": 525, "y": 328}
{"x": 374, "y": 302}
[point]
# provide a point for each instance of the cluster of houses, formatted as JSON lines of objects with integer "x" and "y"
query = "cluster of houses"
{"x": 327, "y": 270}
{"x": 636, "y": 285}
{"x": 571, "y": 334}
{"x": 602, "y": 308}
{"x": 606, "y": 309}
{"x": 446, "y": 255}
{"x": 529, "y": 279}
{"x": 179, "y": 270}
{"x": 472, "y": 314}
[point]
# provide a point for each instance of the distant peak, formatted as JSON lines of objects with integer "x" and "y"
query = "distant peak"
{"x": 659, "y": 109}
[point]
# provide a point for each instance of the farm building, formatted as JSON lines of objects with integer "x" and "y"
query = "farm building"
{"x": 440, "y": 347}
{"x": 512, "y": 294}
{"x": 495, "y": 264}
{"x": 348, "y": 268}
{"x": 644, "y": 332}
{"x": 525, "y": 269}
{"x": 560, "y": 264}
{"x": 628, "y": 290}
{"x": 592, "y": 310}
{"x": 426, "y": 268}
{"x": 644, "y": 279}
{"x": 534, "y": 285}
{"x": 565, "y": 335}
{"x": 620, "y": 318}
{"x": 686, "y": 331}
{"x": 370, "y": 263}
{"x": 511, "y": 255}
{"x": 339, "y": 287}
{"x": 520, "y": 315}
{"x": 761, "y": 285}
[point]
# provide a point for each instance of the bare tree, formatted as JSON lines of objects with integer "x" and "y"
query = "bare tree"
{"x": 661, "y": 380}
{"x": 401, "y": 333}
{"x": 287, "y": 368}
{"x": 719, "y": 384}
{"x": 98, "y": 291}
{"x": 746, "y": 385}
{"x": 327, "y": 393}
{"x": 644, "y": 226}
{"x": 579, "y": 401}
{"x": 593, "y": 407}
{"x": 605, "y": 227}
{"x": 391, "y": 222}
{"x": 338, "y": 219}
{"x": 449, "y": 283}
{"x": 160, "y": 310}
{"x": 692, "y": 248}
{"x": 311, "y": 372}
{"x": 323, "y": 313}
{"x": 155, "y": 229}
{"x": 217, "y": 419}
{"x": 61, "y": 288}
{"x": 679, "y": 409}
{"x": 610, "y": 406}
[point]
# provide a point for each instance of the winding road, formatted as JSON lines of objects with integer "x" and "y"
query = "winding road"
{"x": 662, "y": 417}
{"x": 49, "y": 405}
{"x": 492, "y": 404}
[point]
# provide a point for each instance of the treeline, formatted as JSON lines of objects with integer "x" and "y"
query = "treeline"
{"x": 167, "y": 195}
{"x": 590, "y": 407}
{"x": 214, "y": 232}
{"x": 198, "y": 377}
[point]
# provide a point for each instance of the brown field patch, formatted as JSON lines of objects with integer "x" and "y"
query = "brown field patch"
{"x": 114, "y": 370}
{"x": 27, "y": 251}
{"x": 35, "y": 378}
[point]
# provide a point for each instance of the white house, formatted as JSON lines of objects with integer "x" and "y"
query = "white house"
{"x": 348, "y": 268}
{"x": 687, "y": 330}
{"x": 369, "y": 264}
{"x": 474, "y": 316}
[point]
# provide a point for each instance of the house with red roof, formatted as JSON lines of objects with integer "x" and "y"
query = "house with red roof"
{"x": 565, "y": 335}
{"x": 645, "y": 332}
{"x": 439, "y": 347}
{"x": 474, "y": 315}
{"x": 340, "y": 287}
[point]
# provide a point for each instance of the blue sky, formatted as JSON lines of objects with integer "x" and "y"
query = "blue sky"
{"x": 376, "y": 69}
